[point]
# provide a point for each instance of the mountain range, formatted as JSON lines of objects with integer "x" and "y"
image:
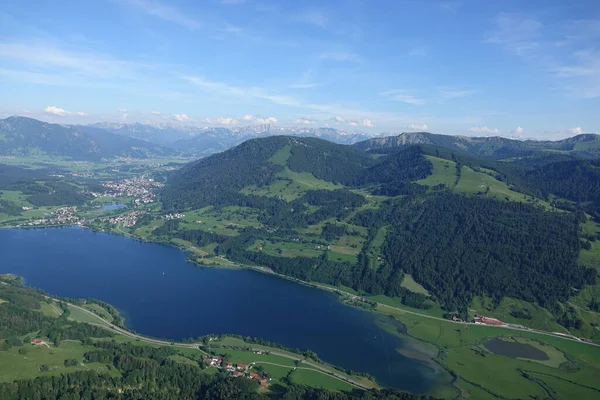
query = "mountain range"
{"x": 20, "y": 136}
{"x": 23, "y": 136}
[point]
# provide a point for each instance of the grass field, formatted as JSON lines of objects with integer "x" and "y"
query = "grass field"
{"x": 409, "y": 283}
{"x": 291, "y": 185}
{"x": 316, "y": 379}
{"x": 540, "y": 317}
{"x": 444, "y": 172}
{"x": 14, "y": 365}
{"x": 225, "y": 221}
{"x": 461, "y": 350}
{"x": 82, "y": 316}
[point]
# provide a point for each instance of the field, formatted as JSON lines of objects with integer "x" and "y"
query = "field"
{"x": 462, "y": 351}
{"x": 307, "y": 377}
{"x": 291, "y": 185}
{"x": 540, "y": 317}
{"x": 14, "y": 365}
{"x": 409, "y": 283}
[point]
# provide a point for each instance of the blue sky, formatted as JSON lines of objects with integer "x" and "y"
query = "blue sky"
{"x": 524, "y": 68}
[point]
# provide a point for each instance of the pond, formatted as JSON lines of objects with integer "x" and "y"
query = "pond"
{"x": 113, "y": 206}
{"x": 162, "y": 295}
{"x": 515, "y": 349}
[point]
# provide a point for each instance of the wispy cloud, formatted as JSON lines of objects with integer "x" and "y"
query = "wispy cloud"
{"x": 275, "y": 97}
{"x": 418, "y": 127}
{"x": 165, "y": 12}
{"x": 575, "y": 131}
{"x": 402, "y": 96}
{"x": 569, "y": 52}
{"x": 47, "y": 56}
{"x": 338, "y": 120}
{"x": 516, "y": 34}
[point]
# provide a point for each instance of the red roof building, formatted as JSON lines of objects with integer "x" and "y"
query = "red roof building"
{"x": 37, "y": 341}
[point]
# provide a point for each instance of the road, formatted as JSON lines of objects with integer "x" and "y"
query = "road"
{"x": 336, "y": 290}
{"x": 108, "y": 325}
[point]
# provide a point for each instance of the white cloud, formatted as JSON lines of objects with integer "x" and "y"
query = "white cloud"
{"x": 165, "y": 12}
{"x": 402, "y": 96}
{"x": 365, "y": 122}
{"x": 259, "y": 120}
{"x": 575, "y": 131}
{"x": 269, "y": 120}
{"x": 338, "y": 120}
{"x": 155, "y": 112}
{"x": 305, "y": 121}
{"x": 56, "y": 111}
{"x": 121, "y": 110}
{"x": 483, "y": 129}
{"x": 316, "y": 18}
{"x": 227, "y": 121}
{"x": 418, "y": 127}
{"x": 81, "y": 114}
{"x": 182, "y": 117}
{"x": 519, "y": 131}
{"x": 339, "y": 56}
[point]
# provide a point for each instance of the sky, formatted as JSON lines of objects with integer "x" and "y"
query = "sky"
{"x": 480, "y": 68}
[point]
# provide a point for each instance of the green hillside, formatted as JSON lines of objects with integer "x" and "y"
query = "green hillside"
{"x": 424, "y": 225}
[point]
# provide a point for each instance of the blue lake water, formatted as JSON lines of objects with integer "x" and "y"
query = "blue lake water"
{"x": 164, "y": 296}
{"x": 113, "y": 206}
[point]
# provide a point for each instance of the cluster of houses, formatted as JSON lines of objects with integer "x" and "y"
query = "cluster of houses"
{"x": 63, "y": 215}
{"x": 127, "y": 220}
{"x": 169, "y": 217}
{"x": 237, "y": 370}
{"x": 139, "y": 188}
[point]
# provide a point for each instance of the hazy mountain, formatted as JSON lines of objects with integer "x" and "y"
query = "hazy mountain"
{"x": 27, "y": 136}
{"x": 584, "y": 145}
{"x": 208, "y": 140}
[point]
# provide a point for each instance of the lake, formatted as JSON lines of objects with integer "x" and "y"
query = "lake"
{"x": 515, "y": 349}
{"x": 162, "y": 295}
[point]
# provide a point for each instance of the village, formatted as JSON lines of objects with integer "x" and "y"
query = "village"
{"x": 238, "y": 370}
{"x": 61, "y": 216}
{"x": 126, "y": 220}
{"x": 138, "y": 188}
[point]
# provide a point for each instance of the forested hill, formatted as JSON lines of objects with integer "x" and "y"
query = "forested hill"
{"x": 20, "y": 136}
{"x": 497, "y": 148}
{"x": 459, "y": 225}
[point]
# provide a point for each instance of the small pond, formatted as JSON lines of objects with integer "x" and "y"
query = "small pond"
{"x": 113, "y": 206}
{"x": 515, "y": 349}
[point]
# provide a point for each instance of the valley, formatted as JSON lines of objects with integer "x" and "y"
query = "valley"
{"x": 373, "y": 231}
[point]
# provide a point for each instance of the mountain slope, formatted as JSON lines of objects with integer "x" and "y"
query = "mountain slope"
{"x": 25, "y": 136}
{"x": 495, "y": 148}
{"x": 326, "y": 212}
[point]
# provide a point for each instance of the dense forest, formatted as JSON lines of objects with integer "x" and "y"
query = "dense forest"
{"x": 456, "y": 246}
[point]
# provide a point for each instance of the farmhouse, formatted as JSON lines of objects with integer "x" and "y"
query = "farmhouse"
{"x": 480, "y": 319}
